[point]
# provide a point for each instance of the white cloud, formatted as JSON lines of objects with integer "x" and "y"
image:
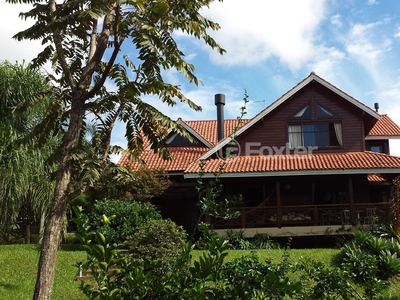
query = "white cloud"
{"x": 256, "y": 30}
{"x": 11, "y": 24}
{"x": 364, "y": 45}
{"x": 397, "y": 33}
{"x": 335, "y": 20}
{"x": 372, "y": 2}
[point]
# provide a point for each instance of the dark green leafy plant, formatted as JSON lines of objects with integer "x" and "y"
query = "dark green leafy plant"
{"x": 369, "y": 258}
{"x": 157, "y": 245}
{"x": 263, "y": 241}
{"x": 128, "y": 217}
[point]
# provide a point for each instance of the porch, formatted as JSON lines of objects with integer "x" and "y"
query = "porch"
{"x": 305, "y": 205}
{"x": 293, "y": 220}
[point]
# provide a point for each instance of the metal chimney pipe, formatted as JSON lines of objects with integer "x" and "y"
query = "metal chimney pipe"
{"x": 376, "y": 105}
{"x": 220, "y": 102}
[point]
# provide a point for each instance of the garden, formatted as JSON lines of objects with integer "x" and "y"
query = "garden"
{"x": 156, "y": 260}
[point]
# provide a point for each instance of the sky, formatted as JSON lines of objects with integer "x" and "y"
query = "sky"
{"x": 271, "y": 46}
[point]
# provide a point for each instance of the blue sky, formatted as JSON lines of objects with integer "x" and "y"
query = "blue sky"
{"x": 271, "y": 46}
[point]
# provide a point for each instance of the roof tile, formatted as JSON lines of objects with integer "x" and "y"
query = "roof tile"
{"x": 281, "y": 163}
{"x": 385, "y": 127}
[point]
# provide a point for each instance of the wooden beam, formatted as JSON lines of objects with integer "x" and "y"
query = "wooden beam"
{"x": 352, "y": 207}
{"x": 278, "y": 204}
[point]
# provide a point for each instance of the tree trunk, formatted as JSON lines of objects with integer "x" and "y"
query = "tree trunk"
{"x": 51, "y": 236}
{"x": 27, "y": 233}
{"x": 41, "y": 226}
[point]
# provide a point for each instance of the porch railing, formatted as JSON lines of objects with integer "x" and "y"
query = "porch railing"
{"x": 306, "y": 215}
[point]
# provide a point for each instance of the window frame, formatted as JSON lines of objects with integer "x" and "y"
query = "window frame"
{"x": 300, "y": 134}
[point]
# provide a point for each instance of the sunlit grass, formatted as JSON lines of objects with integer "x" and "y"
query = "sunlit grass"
{"x": 18, "y": 265}
{"x": 19, "y": 262}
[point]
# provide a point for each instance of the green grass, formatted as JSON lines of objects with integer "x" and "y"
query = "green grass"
{"x": 18, "y": 264}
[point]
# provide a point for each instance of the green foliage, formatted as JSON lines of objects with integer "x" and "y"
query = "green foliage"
{"x": 248, "y": 275}
{"x": 395, "y": 207}
{"x": 129, "y": 216}
{"x": 118, "y": 276}
{"x": 122, "y": 184}
{"x": 259, "y": 241}
{"x": 237, "y": 240}
{"x": 263, "y": 241}
{"x": 157, "y": 245}
{"x": 25, "y": 170}
{"x": 368, "y": 258}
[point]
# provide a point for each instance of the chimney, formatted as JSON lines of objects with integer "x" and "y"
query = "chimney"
{"x": 220, "y": 102}
{"x": 376, "y": 105}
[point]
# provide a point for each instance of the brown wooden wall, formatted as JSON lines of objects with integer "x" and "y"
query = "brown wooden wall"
{"x": 272, "y": 131}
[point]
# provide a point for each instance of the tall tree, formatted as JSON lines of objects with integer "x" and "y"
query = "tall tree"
{"x": 25, "y": 183}
{"x": 83, "y": 40}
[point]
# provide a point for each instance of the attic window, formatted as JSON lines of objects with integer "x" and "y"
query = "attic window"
{"x": 322, "y": 112}
{"x": 304, "y": 113}
{"x": 176, "y": 140}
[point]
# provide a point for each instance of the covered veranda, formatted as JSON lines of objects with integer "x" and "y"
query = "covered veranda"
{"x": 306, "y": 205}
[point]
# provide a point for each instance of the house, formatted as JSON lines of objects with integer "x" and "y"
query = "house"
{"x": 314, "y": 161}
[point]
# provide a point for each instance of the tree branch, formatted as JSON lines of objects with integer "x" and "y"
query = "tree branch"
{"x": 99, "y": 47}
{"x": 59, "y": 48}
{"x": 117, "y": 46}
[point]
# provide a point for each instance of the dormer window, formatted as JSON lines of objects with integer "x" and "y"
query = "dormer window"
{"x": 321, "y": 135}
{"x": 176, "y": 140}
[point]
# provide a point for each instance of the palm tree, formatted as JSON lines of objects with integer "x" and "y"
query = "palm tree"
{"x": 25, "y": 183}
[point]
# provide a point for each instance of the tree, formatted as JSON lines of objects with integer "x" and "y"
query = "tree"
{"x": 25, "y": 185}
{"x": 84, "y": 39}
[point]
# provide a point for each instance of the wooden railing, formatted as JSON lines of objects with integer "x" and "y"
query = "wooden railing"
{"x": 306, "y": 215}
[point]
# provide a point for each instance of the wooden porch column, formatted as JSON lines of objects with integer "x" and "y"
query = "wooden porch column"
{"x": 278, "y": 204}
{"x": 352, "y": 207}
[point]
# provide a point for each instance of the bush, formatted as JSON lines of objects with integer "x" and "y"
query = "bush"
{"x": 368, "y": 257}
{"x": 157, "y": 244}
{"x": 264, "y": 241}
{"x": 128, "y": 217}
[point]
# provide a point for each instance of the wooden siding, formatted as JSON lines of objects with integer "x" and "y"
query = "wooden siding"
{"x": 272, "y": 131}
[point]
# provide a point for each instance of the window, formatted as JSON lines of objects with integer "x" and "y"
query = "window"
{"x": 319, "y": 134}
{"x": 377, "y": 149}
{"x": 304, "y": 113}
{"x": 176, "y": 140}
{"x": 322, "y": 112}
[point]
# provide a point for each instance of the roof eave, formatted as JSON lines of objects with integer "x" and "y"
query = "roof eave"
{"x": 383, "y": 137}
{"x": 297, "y": 173}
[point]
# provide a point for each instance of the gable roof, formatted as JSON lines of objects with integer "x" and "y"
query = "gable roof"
{"x": 205, "y": 131}
{"x": 185, "y": 159}
{"x": 385, "y": 128}
{"x": 286, "y": 96}
{"x": 283, "y": 165}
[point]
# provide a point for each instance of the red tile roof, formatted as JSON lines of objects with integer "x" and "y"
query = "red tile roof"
{"x": 384, "y": 127}
{"x": 376, "y": 178}
{"x": 181, "y": 158}
{"x": 208, "y": 128}
{"x": 280, "y": 163}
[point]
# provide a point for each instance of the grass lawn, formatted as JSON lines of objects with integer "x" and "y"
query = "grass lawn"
{"x": 19, "y": 262}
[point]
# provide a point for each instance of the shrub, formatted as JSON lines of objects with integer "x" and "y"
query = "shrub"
{"x": 263, "y": 241}
{"x": 368, "y": 257}
{"x": 157, "y": 244}
{"x": 236, "y": 239}
{"x": 128, "y": 217}
{"x": 248, "y": 275}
